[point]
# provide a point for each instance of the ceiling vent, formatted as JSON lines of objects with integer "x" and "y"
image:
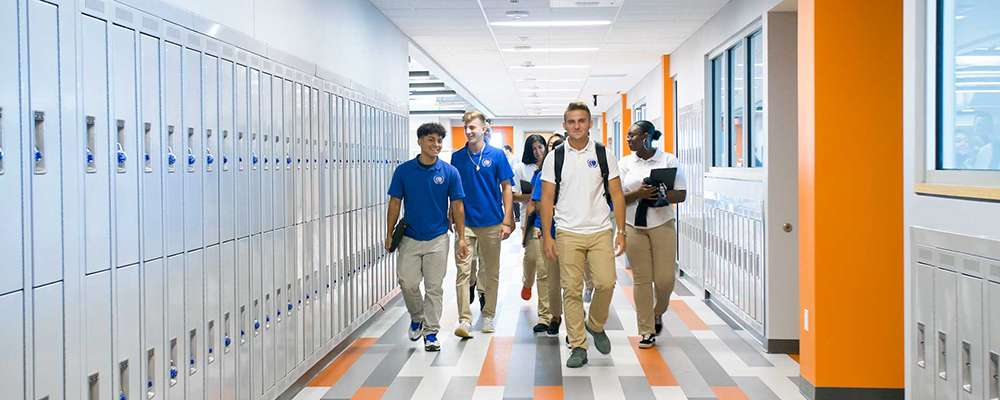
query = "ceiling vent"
{"x": 609, "y": 75}
{"x": 517, "y": 15}
{"x": 584, "y": 3}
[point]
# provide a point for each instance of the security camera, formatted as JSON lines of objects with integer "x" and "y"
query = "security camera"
{"x": 595, "y": 100}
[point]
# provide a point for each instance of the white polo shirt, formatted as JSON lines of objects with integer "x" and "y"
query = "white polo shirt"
{"x": 523, "y": 172}
{"x": 582, "y": 207}
{"x": 633, "y": 170}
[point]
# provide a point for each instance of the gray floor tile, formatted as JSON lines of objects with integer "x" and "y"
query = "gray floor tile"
{"x": 682, "y": 290}
{"x": 710, "y": 370}
{"x": 624, "y": 278}
{"x": 402, "y": 388}
{"x": 548, "y": 364}
{"x": 577, "y": 388}
{"x": 521, "y": 372}
{"x": 636, "y": 388}
{"x": 755, "y": 388}
{"x": 359, "y": 372}
{"x": 687, "y": 375}
{"x": 460, "y": 388}
{"x": 386, "y": 372}
{"x": 739, "y": 346}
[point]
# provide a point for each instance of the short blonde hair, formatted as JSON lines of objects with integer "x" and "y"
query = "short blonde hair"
{"x": 577, "y": 105}
{"x": 471, "y": 115}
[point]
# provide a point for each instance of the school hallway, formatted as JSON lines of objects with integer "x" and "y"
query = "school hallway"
{"x": 697, "y": 355}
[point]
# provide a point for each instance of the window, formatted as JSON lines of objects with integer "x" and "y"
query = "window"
{"x": 640, "y": 113}
{"x": 968, "y": 85}
{"x": 616, "y": 139}
{"x": 737, "y": 143}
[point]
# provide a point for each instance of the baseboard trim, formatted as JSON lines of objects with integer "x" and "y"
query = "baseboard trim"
{"x": 836, "y": 393}
{"x": 782, "y": 346}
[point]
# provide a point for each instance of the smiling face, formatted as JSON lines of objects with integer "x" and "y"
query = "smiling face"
{"x": 636, "y": 138}
{"x": 475, "y": 131}
{"x": 961, "y": 143}
{"x": 539, "y": 149}
{"x": 430, "y": 145}
{"x": 552, "y": 140}
{"x": 577, "y": 124}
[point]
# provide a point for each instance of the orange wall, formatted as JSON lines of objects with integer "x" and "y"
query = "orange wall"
{"x": 851, "y": 248}
{"x": 604, "y": 128}
{"x": 458, "y": 139}
{"x": 668, "y": 106}
{"x": 626, "y": 123}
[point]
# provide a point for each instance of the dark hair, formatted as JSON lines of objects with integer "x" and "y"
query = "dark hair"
{"x": 577, "y": 105}
{"x": 528, "y": 156}
{"x": 648, "y": 128}
{"x": 431, "y": 128}
{"x": 557, "y": 143}
{"x": 507, "y": 147}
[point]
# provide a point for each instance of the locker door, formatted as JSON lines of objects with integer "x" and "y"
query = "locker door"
{"x": 194, "y": 230}
{"x": 94, "y": 84}
{"x": 308, "y": 315}
{"x": 44, "y": 130}
{"x": 278, "y": 139}
{"x": 257, "y": 316}
{"x": 174, "y": 181}
{"x": 153, "y": 327}
{"x": 125, "y": 145}
{"x": 213, "y": 329}
{"x": 993, "y": 346}
{"x": 47, "y": 328}
{"x": 230, "y": 339}
{"x": 255, "y": 139}
{"x": 267, "y": 144}
{"x": 243, "y": 311}
{"x": 227, "y": 147}
{"x": 327, "y": 289}
{"x": 970, "y": 336}
{"x": 317, "y": 334}
{"x": 175, "y": 328}
{"x": 299, "y": 204}
{"x": 267, "y": 308}
{"x": 242, "y": 149}
{"x": 299, "y": 285}
{"x": 12, "y": 345}
{"x": 96, "y": 374}
{"x": 291, "y": 296}
{"x": 289, "y": 150}
{"x": 128, "y": 381}
{"x": 211, "y": 200}
{"x": 316, "y": 166}
{"x": 11, "y": 240}
{"x": 946, "y": 335}
{"x": 280, "y": 300}
{"x": 195, "y": 326}
{"x": 153, "y": 159}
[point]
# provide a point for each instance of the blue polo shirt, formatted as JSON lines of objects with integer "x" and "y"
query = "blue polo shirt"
{"x": 484, "y": 198}
{"x": 425, "y": 191}
{"x": 536, "y": 195}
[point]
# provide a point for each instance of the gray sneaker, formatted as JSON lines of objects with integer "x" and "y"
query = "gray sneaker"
{"x": 577, "y": 358}
{"x": 601, "y": 340}
{"x": 488, "y": 325}
{"x": 464, "y": 330}
{"x": 588, "y": 295}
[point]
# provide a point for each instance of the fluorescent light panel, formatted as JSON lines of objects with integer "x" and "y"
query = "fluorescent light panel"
{"x": 550, "y": 90}
{"x": 553, "y": 50}
{"x": 549, "y": 24}
{"x": 549, "y": 66}
{"x": 548, "y": 80}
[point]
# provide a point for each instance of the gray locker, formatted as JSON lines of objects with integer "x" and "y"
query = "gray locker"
{"x": 255, "y": 145}
{"x": 213, "y": 327}
{"x": 278, "y": 139}
{"x": 210, "y": 138}
{"x": 127, "y": 378}
{"x": 125, "y": 145}
{"x": 296, "y": 315}
{"x": 266, "y": 150}
{"x": 194, "y": 345}
{"x": 970, "y": 336}
{"x": 946, "y": 334}
{"x": 153, "y": 154}
{"x": 174, "y": 182}
{"x": 176, "y": 335}
{"x": 44, "y": 128}
{"x": 291, "y": 295}
{"x": 229, "y": 324}
{"x": 97, "y": 138}
{"x": 244, "y": 312}
{"x": 96, "y": 374}
{"x": 47, "y": 329}
{"x": 268, "y": 307}
{"x": 289, "y": 126}
{"x": 256, "y": 316}
{"x": 11, "y": 240}
{"x": 280, "y": 300}
{"x": 242, "y": 149}
{"x": 154, "y": 363}
{"x": 227, "y": 148}
{"x": 12, "y": 345}
{"x": 194, "y": 230}
{"x": 308, "y": 314}
{"x": 993, "y": 346}
{"x": 298, "y": 149}
{"x": 314, "y": 148}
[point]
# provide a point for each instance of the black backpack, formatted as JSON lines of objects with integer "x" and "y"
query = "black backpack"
{"x": 602, "y": 160}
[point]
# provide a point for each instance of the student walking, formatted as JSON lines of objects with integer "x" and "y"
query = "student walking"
{"x": 424, "y": 186}
{"x": 531, "y": 163}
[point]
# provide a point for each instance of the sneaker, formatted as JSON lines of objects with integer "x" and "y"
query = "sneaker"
{"x": 588, "y": 295}
{"x": 658, "y": 323}
{"x": 482, "y": 302}
{"x": 647, "y": 341}
{"x": 601, "y": 340}
{"x": 577, "y": 358}
{"x": 416, "y": 330}
{"x": 464, "y": 330}
{"x": 568, "y": 346}
{"x": 431, "y": 343}
{"x": 540, "y": 327}
{"x": 472, "y": 292}
{"x": 554, "y": 328}
{"x": 526, "y": 293}
{"x": 488, "y": 325}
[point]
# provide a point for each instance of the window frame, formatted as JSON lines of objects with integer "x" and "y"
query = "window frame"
{"x": 723, "y": 53}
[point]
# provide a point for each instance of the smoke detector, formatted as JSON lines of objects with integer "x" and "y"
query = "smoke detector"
{"x": 517, "y": 15}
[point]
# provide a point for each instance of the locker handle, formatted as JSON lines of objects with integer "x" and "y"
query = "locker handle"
{"x": 123, "y": 381}
{"x": 93, "y": 386}
{"x": 225, "y": 158}
{"x": 150, "y": 373}
{"x": 994, "y": 376}
{"x": 967, "y": 366}
{"x": 39, "y": 148}
{"x": 147, "y": 159}
{"x": 122, "y": 156}
{"x": 943, "y": 357}
{"x": 90, "y": 121}
{"x": 171, "y": 157}
{"x": 209, "y": 159}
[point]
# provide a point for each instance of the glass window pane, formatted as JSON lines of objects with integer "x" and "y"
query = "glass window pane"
{"x": 719, "y": 111}
{"x": 737, "y": 102}
{"x": 969, "y": 85}
{"x": 757, "y": 100}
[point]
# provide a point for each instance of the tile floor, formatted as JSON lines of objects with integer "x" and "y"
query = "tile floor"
{"x": 698, "y": 356}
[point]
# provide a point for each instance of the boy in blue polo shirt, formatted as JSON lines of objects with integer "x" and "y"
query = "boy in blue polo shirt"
{"x": 424, "y": 186}
{"x": 486, "y": 176}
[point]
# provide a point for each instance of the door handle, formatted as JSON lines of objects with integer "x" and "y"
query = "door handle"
{"x": 148, "y": 143}
{"x": 122, "y": 157}
{"x": 39, "y": 148}
{"x": 89, "y": 121}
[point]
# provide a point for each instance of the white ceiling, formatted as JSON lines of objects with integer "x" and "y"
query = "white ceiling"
{"x": 457, "y": 34}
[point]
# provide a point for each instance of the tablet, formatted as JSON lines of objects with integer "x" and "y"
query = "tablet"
{"x": 664, "y": 175}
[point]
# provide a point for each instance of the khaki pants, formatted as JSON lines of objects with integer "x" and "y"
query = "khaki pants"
{"x": 488, "y": 242}
{"x": 653, "y": 256}
{"x": 575, "y": 250}
{"x": 547, "y": 274}
{"x": 425, "y": 261}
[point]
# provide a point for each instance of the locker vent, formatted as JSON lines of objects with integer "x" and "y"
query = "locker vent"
{"x": 267, "y": 65}
{"x": 279, "y": 70}
{"x": 212, "y": 46}
{"x": 150, "y": 23}
{"x": 242, "y": 57}
{"x": 96, "y": 5}
{"x": 174, "y": 33}
{"x": 194, "y": 40}
{"x": 123, "y": 14}
{"x": 228, "y": 52}
{"x": 254, "y": 61}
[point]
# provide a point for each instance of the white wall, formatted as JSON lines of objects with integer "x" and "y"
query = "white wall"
{"x": 522, "y": 125}
{"x": 351, "y": 38}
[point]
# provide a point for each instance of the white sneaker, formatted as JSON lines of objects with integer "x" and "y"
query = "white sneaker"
{"x": 464, "y": 330}
{"x": 488, "y": 325}
{"x": 416, "y": 330}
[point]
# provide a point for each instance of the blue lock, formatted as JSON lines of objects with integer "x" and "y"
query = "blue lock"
{"x": 122, "y": 397}
{"x": 149, "y": 384}
{"x": 267, "y": 319}
{"x": 279, "y": 313}
{"x": 192, "y": 361}
{"x": 299, "y": 160}
{"x": 288, "y": 160}
{"x": 225, "y": 160}
{"x": 209, "y": 350}
{"x": 289, "y": 306}
{"x": 210, "y": 159}
{"x": 171, "y": 159}
{"x": 255, "y": 159}
{"x": 265, "y": 160}
{"x": 240, "y": 159}
{"x": 90, "y": 157}
{"x": 122, "y": 157}
{"x": 173, "y": 373}
{"x": 191, "y": 160}
{"x": 38, "y": 156}
{"x": 147, "y": 158}
{"x": 300, "y": 301}
{"x": 228, "y": 341}
{"x": 256, "y": 325}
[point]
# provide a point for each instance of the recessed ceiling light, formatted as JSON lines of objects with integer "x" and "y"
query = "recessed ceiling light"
{"x": 528, "y": 49}
{"x": 532, "y": 66}
{"x": 609, "y": 75}
{"x": 550, "y": 24}
{"x": 550, "y": 90}
{"x": 548, "y": 80}
{"x": 517, "y": 15}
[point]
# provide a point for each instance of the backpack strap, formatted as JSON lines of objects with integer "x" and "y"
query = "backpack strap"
{"x": 560, "y": 159}
{"x": 602, "y": 160}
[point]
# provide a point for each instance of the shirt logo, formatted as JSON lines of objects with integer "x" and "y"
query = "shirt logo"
{"x": 439, "y": 179}
{"x": 487, "y": 162}
{"x": 592, "y": 163}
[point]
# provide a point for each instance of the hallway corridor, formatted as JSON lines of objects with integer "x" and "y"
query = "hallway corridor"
{"x": 698, "y": 356}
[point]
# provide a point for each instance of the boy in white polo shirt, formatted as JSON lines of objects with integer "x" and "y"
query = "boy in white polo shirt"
{"x": 581, "y": 193}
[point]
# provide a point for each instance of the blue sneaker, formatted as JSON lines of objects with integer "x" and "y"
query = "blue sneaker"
{"x": 431, "y": 343}
{"x": 416, "y": 330}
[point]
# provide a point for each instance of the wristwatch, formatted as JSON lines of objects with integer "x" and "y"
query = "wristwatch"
{"x": 622, "y": 232}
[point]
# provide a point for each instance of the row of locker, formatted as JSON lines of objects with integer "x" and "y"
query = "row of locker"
{"x": 178, "y": 205}
{"x": 957, "y": 327}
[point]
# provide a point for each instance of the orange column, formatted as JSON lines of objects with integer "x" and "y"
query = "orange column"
{"x": 668, "y": 106}
{"x": 626, "y": 123}
{"x": 604, "y": 128}
{"x": 851, "y": 251}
